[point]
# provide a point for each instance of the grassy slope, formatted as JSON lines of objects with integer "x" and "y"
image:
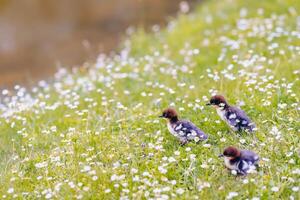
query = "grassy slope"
{"x": 96, "y": 129}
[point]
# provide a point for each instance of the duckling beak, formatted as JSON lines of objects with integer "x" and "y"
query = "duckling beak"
{"x": 221, "y": 155}
{"x": 160, "y": 116}
{"x": 208, "y": 104}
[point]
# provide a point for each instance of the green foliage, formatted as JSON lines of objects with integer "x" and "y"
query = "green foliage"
{"x": 93, "y": 133}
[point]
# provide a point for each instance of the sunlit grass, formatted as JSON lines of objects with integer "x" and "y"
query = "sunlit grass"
{"x": 94, "y": 133}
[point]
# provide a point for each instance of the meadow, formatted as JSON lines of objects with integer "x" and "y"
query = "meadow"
{"x": 93, "y": 132}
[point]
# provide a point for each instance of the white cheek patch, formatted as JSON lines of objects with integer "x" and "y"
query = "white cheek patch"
{"x": 222, "y": 104}
{"x": 228, "y": 164}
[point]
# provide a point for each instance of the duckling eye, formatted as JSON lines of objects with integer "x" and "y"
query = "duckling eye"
{"x": 214, "y": 102}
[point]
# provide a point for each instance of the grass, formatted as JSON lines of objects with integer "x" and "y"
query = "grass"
{"x": 93, "y": 133}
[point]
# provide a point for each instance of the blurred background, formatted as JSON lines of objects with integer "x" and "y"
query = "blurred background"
{"x": 38, "y": 36}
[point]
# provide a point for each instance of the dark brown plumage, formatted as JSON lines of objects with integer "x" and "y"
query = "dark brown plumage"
{"x": 231, "y": 152}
